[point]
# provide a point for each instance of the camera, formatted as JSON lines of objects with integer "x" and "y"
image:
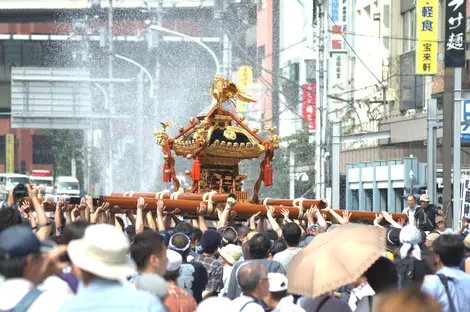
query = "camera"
{"x": 20, "y": 191}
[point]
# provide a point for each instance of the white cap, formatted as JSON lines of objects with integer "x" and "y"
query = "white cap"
{"x": 174, "y": 260}
{"x": 277, "y": 282}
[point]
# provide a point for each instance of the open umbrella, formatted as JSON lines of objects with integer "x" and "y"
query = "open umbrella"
{"x": 335, "y": 259}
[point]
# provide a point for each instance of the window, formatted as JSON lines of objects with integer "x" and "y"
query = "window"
{"x": 408, "y": 30}
{"x": 42, "y": 151}
{"x": 67, "y": 186}
{"x": 39, "y": 181}
{"x": 14, "y": 181}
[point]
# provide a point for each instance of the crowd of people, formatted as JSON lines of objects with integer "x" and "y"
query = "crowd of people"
{"x": 88, "y": 258}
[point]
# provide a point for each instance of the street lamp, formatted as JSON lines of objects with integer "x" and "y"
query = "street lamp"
{"x": 411, "y": 174}
{"x": 152, "y": 86}
{"x": 166, "y": 30}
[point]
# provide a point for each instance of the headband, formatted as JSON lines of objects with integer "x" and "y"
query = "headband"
{"x": 236, "y": 236}
{"x": 173, "y": 247}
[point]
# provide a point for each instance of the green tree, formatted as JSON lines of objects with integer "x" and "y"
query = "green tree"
{"x": 304, "y": 157}
{"x": 65, "y": 144}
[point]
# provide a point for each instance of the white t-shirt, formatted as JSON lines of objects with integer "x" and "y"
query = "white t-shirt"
{"x": 287, "y": 304}
{"x": 247, "y": 303}
{"x": 410, "y": 213}
{"x": 285, "y": 257}
{"x": 226, "y": 279}
{"x": 56, "y": 284}
{"x": 13, "y": 290}
{"x": 358, "y": 293}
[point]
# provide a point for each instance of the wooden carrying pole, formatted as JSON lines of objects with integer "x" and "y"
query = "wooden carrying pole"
{"x": 305, "y": 203}
{"x": 215, "y": 197}
{"x": 243, "y": 210}
{"x": 222, "y": 198}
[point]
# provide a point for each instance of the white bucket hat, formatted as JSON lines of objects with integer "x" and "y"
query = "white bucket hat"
{"x": 103, "y": 251}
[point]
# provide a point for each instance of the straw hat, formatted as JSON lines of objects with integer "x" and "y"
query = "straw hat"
{"x": 103, "y": 251}
{"x": 424, "y": 198}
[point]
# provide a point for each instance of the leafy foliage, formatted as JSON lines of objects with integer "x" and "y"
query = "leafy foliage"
{"x": 64, "y": 144}
{"x": 304, "y": 157}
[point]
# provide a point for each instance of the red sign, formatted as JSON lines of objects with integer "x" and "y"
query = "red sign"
{"x": 337, "y": 29}
{"x": 41, "y": 173}
{"x": 337, "y": 44}
{"x": 309, "y": 105}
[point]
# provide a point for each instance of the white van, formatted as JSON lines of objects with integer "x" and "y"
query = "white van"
{"x": 66, "y": 186}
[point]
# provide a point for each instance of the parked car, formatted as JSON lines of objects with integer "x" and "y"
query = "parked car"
{"x": 8, "y": 181}
{"x": 67, "y": 186}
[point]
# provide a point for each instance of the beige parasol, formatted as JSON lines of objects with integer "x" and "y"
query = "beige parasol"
{"x": 335, "y": 259}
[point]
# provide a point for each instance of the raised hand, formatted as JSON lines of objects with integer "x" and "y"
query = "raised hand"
{"x": 270, "y": 211}
{"x": 311, "y": 213}
{"x": 32, "y": 190}
{"x": 160, "y": 207}
{"x": 104, "y": 207}
{"x": 26, "y": 207}
{"x": 378, "y": 218}
{"x": 346, "y": 216}
{"x": 231, "y": 202}
{"x": 201, "y": 211}
{"x": 387, "y": 216}
{"x": 89, "y": 203}
{"x": 255, "y": 216}
{"x": 82, "y": 206}
{"x": 141, "y": 205}
{"x": 285, "y": 214}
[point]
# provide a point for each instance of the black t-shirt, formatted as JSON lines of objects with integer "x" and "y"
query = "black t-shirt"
{"x": 193, "y": 278}
{"x": 426, "y": 218}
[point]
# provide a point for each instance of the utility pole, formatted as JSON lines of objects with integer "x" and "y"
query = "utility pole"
{"x": 291, "y": 174}
{"x": 447, "y": 143}
{"x": 336, "y": 154}
{"x": 320, "y": 104}
{"x": 111, "y": 94}
{"x": 140, "y": 128}
{"x": 457, "y": 129}
{"x": 431, "y": 149}
{"x": 275, "y": 61}
{"x": 325, "y": 106}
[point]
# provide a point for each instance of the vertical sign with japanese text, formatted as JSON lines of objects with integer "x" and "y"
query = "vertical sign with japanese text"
{"x": 336, "y": 26}
{"x": 426, "y": 34}
{"x": 9, "y": 153}
{"x": 245, "y": 79}
{"x": 455, "y": 33}
{"x": 309, "y": 105}
{"x": 338, "y": 83}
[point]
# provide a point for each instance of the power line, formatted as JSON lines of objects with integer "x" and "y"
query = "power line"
{"x": 354, "y": 51}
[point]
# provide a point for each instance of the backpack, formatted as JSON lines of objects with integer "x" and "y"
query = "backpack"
{"x": 25, "y": 302}
{"x": 406, "y": 271}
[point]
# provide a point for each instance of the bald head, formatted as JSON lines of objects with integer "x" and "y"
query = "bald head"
{"x": 250, "y": 275}
{"x": 179, "y": 240}
{"x": 180, "y": 243}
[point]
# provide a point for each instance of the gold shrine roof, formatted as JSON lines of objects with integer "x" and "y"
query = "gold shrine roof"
{"x": 225, "y": 138}
{"x": 217, "y": 136}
